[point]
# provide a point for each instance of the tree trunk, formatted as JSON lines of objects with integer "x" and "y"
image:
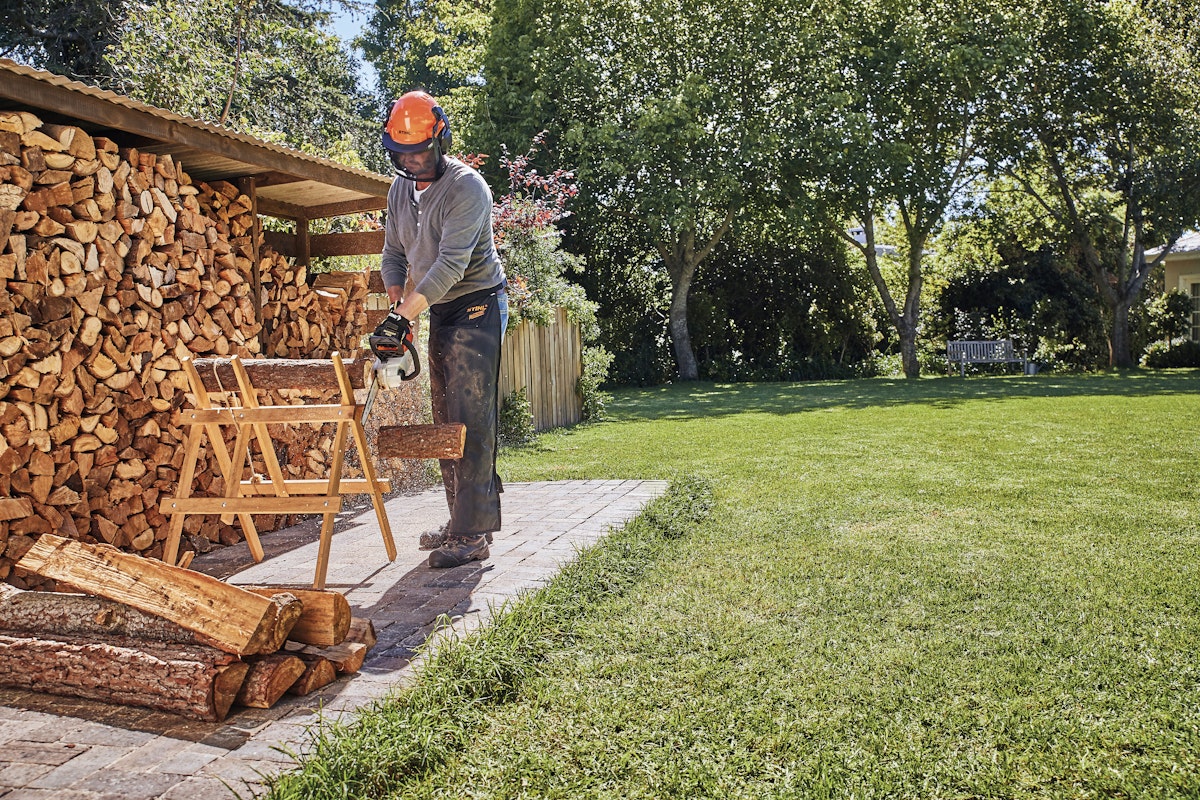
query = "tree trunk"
{"x": 681, "y": 339}
{"x": 908, "y": 350}
{"x": 190, "y": 680}
{"x": 681, "y": 258}
{"x": 1120, "y": 347}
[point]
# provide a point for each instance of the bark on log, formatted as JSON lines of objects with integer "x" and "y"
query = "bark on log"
{"x": 269, "y": 679}
{"x": 325, "y": 619}
{"x": 242, "y": 622}
{"x": 60, "y": 614}
{"x": 190, "y": 680}
{"x": 422, "y": 441}
{"x": 318, "y": 672}
{"x": 271, "y": 374}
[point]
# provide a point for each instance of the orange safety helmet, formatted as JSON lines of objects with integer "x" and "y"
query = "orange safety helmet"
{"x": 416, "y": 123}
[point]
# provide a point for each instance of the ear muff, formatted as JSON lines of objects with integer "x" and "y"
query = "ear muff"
{"x": 441, "y": 130}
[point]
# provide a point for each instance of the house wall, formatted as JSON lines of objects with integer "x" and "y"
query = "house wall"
{"x": 1182, "y": 272}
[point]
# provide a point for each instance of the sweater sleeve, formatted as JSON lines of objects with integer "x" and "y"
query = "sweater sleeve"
{"x": 466, "y": 215}
{"x": 394, "y": 267}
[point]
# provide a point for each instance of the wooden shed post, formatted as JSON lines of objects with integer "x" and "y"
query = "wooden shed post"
{"x": 303, "y": 243}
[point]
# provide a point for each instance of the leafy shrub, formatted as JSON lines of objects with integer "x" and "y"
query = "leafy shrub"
{"x": 1170, "y": 353}
{"x": 515, "y": 426}
{"x": 596, "y": 361}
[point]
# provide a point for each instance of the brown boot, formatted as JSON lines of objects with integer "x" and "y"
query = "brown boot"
{"x": 432, "y": 540}
{"x": 459, "y": 550}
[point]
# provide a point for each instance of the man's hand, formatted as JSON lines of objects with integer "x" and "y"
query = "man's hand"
{"x": 395, "y": 326}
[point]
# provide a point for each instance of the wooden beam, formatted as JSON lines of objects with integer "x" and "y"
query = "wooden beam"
{"x": 280, "y": 242}
{"x": 275, "y": 179}
{"x": 364, "y": 243}
{"x": 91, "y": 105}
{"x": 303, "y": 242}
{"x": 280, "y": 209}
{"x": 347, "y": 207}
{"x": 267, "y": 415}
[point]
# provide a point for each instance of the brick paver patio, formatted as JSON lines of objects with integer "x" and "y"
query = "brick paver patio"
{"x": 67, "y": 749}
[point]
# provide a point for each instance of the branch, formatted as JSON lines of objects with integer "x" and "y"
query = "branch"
{"x": 722, "y": 229}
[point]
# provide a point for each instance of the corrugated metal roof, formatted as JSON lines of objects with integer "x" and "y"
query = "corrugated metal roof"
{"x": 290, "y": 181}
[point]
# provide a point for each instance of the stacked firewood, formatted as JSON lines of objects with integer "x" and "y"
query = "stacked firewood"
{"x": 114, "y": 266}
{"x": 147, "y": 634}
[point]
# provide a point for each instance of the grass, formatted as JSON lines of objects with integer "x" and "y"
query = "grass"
{"x": 930, "y": 589}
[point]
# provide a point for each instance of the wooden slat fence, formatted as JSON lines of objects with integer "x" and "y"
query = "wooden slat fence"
{"x": 546, "y": 362}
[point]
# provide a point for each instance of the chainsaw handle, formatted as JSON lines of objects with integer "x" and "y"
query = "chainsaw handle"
{"x": 411, "y": 347}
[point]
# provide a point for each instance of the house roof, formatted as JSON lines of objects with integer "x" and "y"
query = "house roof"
{"x": 1187, "y": 244}
{"x": 290, "y": 183}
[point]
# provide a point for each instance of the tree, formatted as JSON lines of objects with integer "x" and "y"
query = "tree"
{"x": 435, "y": 45}
{"x": 657, "y": 106}
{"x": 1102, "y": 129}
{"x": 260, "y": 66}
{"x": 67, "y": 37}
{"x": 892, "y": 131}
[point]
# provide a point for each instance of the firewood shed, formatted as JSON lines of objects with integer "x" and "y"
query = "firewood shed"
{"x": 131, "y": 241}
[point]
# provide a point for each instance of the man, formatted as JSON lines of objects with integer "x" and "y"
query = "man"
{"x": 438, "y": 239}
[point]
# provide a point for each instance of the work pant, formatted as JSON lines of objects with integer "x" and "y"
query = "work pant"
{"x": 464, "y": 370}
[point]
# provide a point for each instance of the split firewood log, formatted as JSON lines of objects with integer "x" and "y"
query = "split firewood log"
{"x": 348, "y": 656}
{"x": 241, "y": 622}
{"x": 325, "y": 619}
{"x": 269, "y": 679}
{"x": 318, "y": 673}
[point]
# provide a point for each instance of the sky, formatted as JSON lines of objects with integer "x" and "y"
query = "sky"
{"x": 347, "y": 25}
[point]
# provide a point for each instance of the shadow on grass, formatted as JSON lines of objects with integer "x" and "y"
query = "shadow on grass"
{"x": 696, "y": 400}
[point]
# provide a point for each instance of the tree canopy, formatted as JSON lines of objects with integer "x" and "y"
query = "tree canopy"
{"x": 1101, "y": 126}
{"x": 726, "y": 151}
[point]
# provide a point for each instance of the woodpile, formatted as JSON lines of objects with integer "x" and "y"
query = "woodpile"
{"x": 147, "y": 634}
{"x": 114, "y": 266}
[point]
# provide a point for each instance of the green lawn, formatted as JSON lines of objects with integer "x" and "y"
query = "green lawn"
{"x": 942, "y": 588}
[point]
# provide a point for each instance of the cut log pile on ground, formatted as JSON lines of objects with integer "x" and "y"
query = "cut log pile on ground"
{"x": 140, "y": 632}
{"x": 114, "y": 267}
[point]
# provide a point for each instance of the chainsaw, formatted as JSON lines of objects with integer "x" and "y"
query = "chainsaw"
{"x": 395, "y": 354}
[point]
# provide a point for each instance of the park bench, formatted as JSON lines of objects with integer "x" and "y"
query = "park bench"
{"x": 999, "y": 351}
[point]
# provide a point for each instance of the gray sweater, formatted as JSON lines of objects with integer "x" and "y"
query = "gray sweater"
{"x": 445, "y": 241}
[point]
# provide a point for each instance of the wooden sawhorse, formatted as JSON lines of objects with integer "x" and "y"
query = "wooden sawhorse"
{"x": 277, "y": 495}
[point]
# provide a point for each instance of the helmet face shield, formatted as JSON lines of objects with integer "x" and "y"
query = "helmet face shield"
{"x": 416, "y": 166}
